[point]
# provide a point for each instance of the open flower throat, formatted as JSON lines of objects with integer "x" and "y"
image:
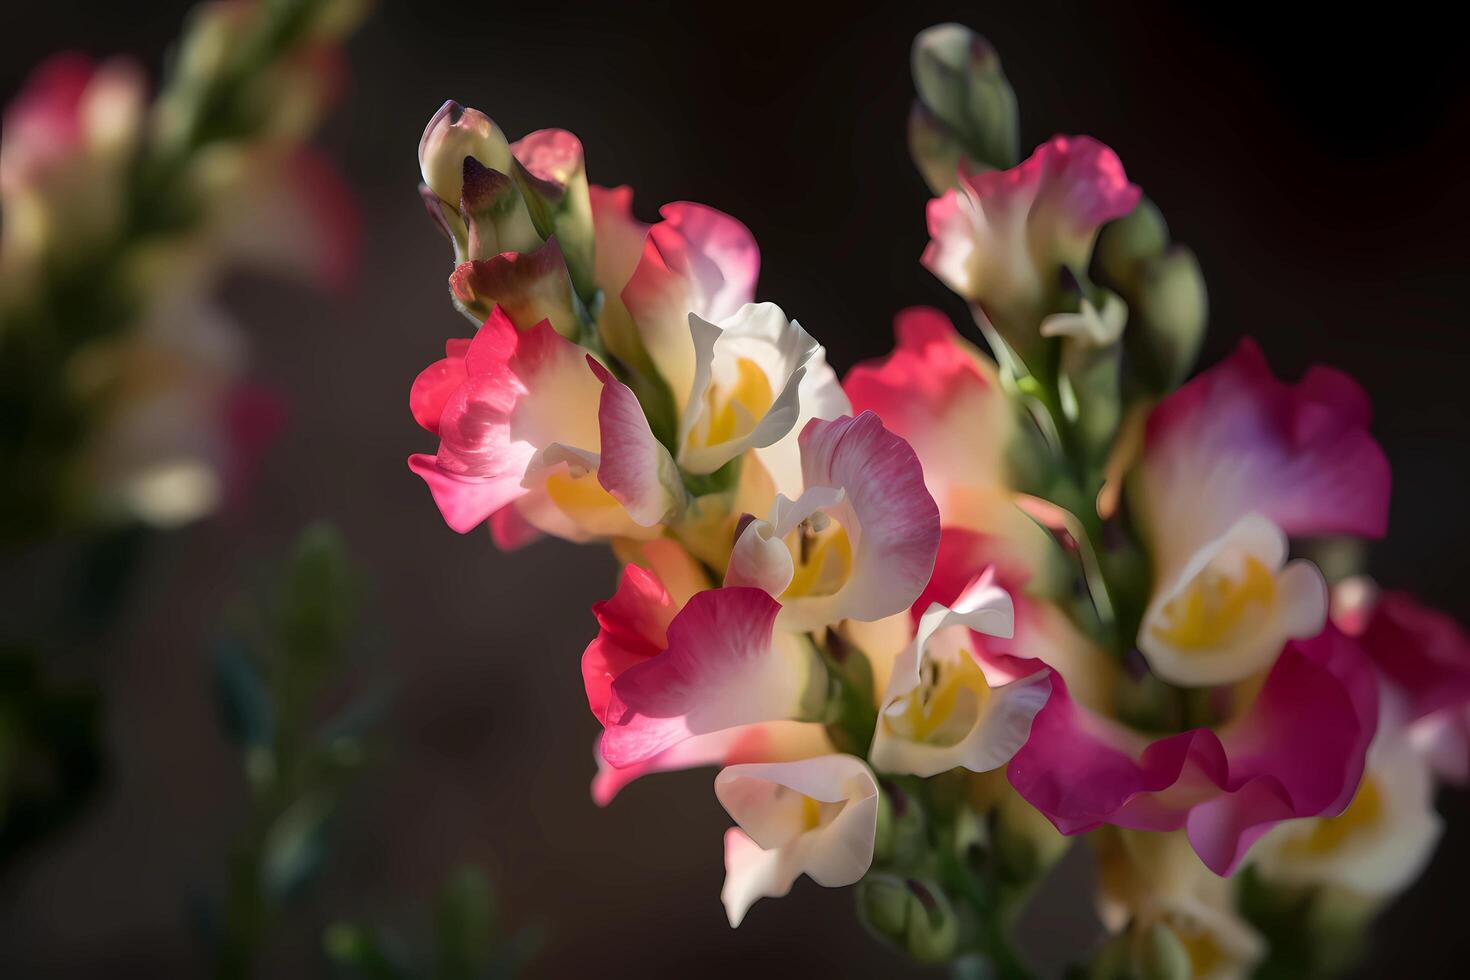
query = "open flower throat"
{"x": 733, "y": 408}
{"x": 821, "y": 553}
{"x": 1217, "y": 606}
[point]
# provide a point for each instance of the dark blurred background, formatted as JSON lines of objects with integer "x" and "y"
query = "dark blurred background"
{"x": 1318, "y": 170}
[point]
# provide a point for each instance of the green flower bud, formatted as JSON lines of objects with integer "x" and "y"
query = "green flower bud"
{"x": 912, "y": 914}
{"x": 1127, "y": 244}
{"x": 966, "y": 111}
{"x": 1172, "y": 312}
{"x": 902, "y": 839}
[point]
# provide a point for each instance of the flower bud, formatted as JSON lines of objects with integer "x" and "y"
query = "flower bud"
{"x": 1172, "y": 312}
{"x": 494, "y": 213}
{"x": 965, "y": 116}
{"x": 553, "y": 176}
{"x": 1165, "y": 292}
{"x": 453, "y": 134}
{"x": 901, "y": 839}
{"x": 1127, "y": 244}
{"x": 912, "y": 914}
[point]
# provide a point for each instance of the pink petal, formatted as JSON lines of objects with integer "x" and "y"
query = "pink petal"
{"x": 510, "y": 530}
{"x": 636, "y": 469}
{"x": 550, "y": 155}
{"x": 1298, "y": 751}
{"x": 1425, "y": 653}
{"x": 720, "y": 670}
{"x": 436, "y": 383}
{"x": 883, "y": 484}
{"x": 696, "y": 260}
{"x": 632, "y": 627}
{"x": 1235, "y": 440}
{"x": 1044, "y": 212}
{"x": 772, "y": 741}
{"x": 521, "y": 393}
{"x": 619, "y": 237}
{"x": 464, "y": 504}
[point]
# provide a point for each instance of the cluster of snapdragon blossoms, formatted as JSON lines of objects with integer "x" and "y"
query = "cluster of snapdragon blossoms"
{"x": 122, "y": 378}
{"x": 913, "y": 612}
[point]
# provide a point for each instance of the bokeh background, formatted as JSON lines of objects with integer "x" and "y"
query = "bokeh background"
{"x": 1317, "y": 169}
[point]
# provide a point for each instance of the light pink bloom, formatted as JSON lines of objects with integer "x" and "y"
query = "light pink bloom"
{"x": 516, "y": 413}
{"x": 696, "y": 260}
{"x": 633, "y": 628}
{"x": 817, "y": 817}
{"x": 1001, "y": 238}
{"x": 1297, "y": 750}
{"x": 943, "y": 397}
{"x": 859, "y": 541}
{"x": 657, "y": 680}
{"x": 1234, "y": 464}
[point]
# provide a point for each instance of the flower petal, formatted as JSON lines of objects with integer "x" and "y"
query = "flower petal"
{"x": 815, "y": 816}
{"x": 1297, "y": 751}
{"x": 771, "y": 741}
{"x": 635, "y": 468}
{"x": 722, "y": 668}
{"x": 1235, "y": 441}
{"x": 696, "y": 260}
{"x": 436, "y": 383}
{"x": 890, "y": 519}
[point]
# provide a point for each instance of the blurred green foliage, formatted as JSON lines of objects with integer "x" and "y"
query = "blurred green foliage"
{"x": 279, "y": 667}
{"x": 469, "y": 940}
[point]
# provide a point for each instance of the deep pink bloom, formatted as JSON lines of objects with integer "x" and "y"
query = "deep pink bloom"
{"x": 937, "y": 392}
{"x": 512, "y": 409}
{"x": 1235, "y": 440}
{"x": 709, "y": 684}
{"x": 1297, "y": 751}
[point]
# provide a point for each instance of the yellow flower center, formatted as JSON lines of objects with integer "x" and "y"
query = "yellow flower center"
{"x": 1330, "y": 833}
{"x": 733, "y": 411}
{"x": 811, "y": 814}
{"x": 1205, "y": 954}
{"x": 1214, "y": 607}
{"x": 822, "y": 560}
{"x": 578, "y": 496}
{"x": 934, "y": 702}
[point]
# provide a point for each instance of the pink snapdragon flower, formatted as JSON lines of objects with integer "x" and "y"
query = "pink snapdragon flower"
{"x": 1002, "y": 237}
{"x": 1296, "y": 749}
{"x": 516, "y": 413}
{"x": 741, "y": 375}
{"x": 857, "y": 543}
{"x": 943, "y": 396}
{"x": 1236, "y": 463}
{"x": 722, "y": 665}
{"x": 632, "y": 629}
